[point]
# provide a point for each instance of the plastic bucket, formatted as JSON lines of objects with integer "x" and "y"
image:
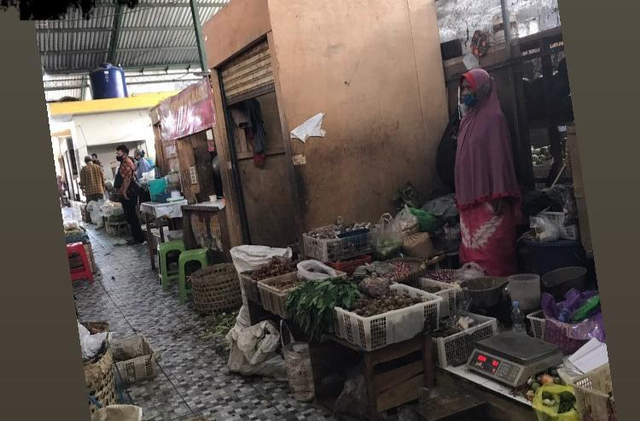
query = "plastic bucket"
{"x": 559, "y": 281}
{"x": 525, "y": 288}
{"x": 546, "y": 257}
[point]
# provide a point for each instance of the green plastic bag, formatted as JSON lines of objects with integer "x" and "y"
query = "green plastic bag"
{"x": 550, "y": 413}
{"x": 428, "y": 221}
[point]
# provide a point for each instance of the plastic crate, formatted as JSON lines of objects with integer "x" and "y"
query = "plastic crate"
{"x": 554, "y": 332}
{"x": 371, "y": 333}
{"x": 338, "y": 249}
{"x": 456, "y": 349}
{"x": 350, "y": 266}
{"x": 537, "y": 321}
{"x": 594, "y": 395}
{"x": 567, "y": 232}
{"x": 448, "y": 292}
{"x": 272, "y": 299}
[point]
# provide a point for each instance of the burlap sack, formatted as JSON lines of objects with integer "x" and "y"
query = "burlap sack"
{"x": 418, "y": 246}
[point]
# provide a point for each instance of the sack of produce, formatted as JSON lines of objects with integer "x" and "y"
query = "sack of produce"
{"x": 313, "y": 270}
{"x": 254, "y": 351}
{"x": 247, "y": 258}
{"x": 553, "y": 402}
{"x": 390, "y": 237}
{"x": 418, "y": 245}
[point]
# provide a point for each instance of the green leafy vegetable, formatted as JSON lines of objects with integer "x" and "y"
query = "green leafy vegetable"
{"x": 311, "y": 305}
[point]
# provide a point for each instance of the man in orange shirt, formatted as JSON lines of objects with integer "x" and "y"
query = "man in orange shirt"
{"x": 92, "y": 180}
{"x": 127, "y": 187}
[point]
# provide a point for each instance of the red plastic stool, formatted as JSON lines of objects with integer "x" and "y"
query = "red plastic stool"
{"x": 77, "y": 249}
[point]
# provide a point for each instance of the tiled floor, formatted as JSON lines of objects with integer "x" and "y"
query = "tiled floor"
{"x": 193, "y": 378}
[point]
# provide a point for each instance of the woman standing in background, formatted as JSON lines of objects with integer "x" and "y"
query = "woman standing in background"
{"x": 487, "y": 192}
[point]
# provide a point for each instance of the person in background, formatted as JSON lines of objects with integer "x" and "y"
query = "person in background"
{"x": 143, "y": 154}
{"x": 142, "y": 165}
{"x": 92, "y": 180}
{"x": 95, "y": 159}
{"x": 128, "y": 189}
{"x": 487, "y": 192}
{"x": 61, "y": 189}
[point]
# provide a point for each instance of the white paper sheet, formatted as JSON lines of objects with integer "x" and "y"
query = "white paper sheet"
{"x": 310, "y": 128}
{"x": 592, "y": 355}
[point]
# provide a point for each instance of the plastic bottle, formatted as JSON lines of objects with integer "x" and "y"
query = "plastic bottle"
{"x": 517, "y": 317}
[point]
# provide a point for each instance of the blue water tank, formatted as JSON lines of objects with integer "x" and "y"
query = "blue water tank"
{"x": 107, "y": 81}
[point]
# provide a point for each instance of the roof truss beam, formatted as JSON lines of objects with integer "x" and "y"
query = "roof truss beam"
{"x": 111, "y": 29}
{"x": 123, "y": 50}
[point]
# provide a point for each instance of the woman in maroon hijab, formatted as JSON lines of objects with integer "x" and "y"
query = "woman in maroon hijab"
{"x": 487, "y": 192}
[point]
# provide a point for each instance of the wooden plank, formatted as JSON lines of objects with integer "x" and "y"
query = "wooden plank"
{"x": 286, "y": 142}
{"x": 221, "y": 139}
{"x": 393, "y": 378}
{"x": 186, "y": 159}
{"x": 395, "y": 351}
{"x": 427, "y": 358}
{"x": 403, "y": 393}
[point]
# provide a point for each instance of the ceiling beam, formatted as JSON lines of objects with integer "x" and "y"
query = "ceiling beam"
{"x": 146, "y": 82}
{"x": 123, "y": 50}
{"x": 151, "y": 67}
{"x": 115, "y": 35}
{"x": 110, "y": 29}
{"x": 144, "y": 5}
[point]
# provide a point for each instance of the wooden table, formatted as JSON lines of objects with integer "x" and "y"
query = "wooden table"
{"x": 205, "y": 226}
{"x": 164, "y": 214}
{"x": 393, "y": 375}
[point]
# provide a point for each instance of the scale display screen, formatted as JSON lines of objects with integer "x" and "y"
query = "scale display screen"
{"x": 487, "y": 364}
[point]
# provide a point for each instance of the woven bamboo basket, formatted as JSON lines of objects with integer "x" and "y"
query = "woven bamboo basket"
{"x": 100, "y": 381}
{"x": 216, "y": 289}
{"x": 99, "y": 373}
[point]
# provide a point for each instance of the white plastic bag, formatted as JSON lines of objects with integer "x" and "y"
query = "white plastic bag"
{"x": 313, "y": 270}
{"x": 89, "y": 343}
{"x": 546, "y": 231}
{"x": 248, "y": 258}
{"x": 94, "y": 211}
{"x": 469, "y": 271}
{"x": 407, "y": 221}
{"x": 254, "y": 351}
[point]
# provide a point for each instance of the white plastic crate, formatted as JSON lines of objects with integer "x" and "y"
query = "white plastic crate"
{"x": 448, "y": 292}
{"x": 334, "y": 250}
{"x": 569, "y": 232}
{"x": 538, "y": 321}
{"x": 456, "y": 349}
{"x": 375, "y": 332}
{"x": 593, "y": 392}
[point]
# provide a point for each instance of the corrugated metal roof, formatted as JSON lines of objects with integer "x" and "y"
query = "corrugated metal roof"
{"x": 156, "y": 33}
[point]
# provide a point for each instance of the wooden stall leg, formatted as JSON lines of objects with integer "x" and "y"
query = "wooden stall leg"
{"x": 147, "y": 221}
{"x": 429, "y": 369}
{"x": 372, "y": 397}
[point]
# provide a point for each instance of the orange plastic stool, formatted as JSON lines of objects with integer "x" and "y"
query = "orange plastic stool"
{"x": 77, "y": 249}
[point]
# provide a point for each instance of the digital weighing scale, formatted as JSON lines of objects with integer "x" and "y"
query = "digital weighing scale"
{"x": 512, "y": 358}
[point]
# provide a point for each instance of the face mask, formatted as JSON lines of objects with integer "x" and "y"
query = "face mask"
{"x": 119, "y": 158}
{"x": 464, "y": 109}
{"x": 469, "y": 100}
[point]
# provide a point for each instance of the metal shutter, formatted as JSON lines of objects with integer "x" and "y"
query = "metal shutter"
{"x": 248, "y": 75}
